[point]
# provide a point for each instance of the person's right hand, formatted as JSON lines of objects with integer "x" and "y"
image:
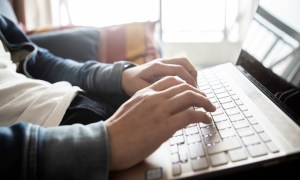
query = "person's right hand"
{"x": 151, "y": 117}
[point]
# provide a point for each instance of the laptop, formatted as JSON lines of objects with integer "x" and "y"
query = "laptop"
{"x": 251, "y": 128}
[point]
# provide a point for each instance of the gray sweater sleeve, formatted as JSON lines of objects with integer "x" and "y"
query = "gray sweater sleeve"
{"x": 92, "y": 76}
{"x": 66, "y": 152}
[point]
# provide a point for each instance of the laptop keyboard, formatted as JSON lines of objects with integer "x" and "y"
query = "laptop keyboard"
{"x": 233, "y": 136}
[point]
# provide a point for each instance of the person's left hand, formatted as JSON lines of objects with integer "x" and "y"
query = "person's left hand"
{"x": 139, "y": 77}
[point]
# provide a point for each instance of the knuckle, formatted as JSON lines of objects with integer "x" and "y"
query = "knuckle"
{"x": 175, "y": 79}
{"x": 179, "y": 68}
{"x": 184, "y": 59}
{"x": 156, "y": 64}
{"x": 186, "y": 86}
{"x": 146, "y": 96}
{"x": 189, "y": 94}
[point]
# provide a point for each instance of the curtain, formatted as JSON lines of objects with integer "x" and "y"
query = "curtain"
{"x": 19, "y": 8}
{"x": 38, "y": 13}
{"x": 33, "y": 14}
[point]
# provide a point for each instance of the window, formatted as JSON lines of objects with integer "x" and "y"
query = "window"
{"x": 181, "y": 20}
{"x": 198, "y": 20}
{"x": 101, "y": 13}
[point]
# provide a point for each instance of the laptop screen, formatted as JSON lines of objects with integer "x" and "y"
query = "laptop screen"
{"x": 271, "y": 55}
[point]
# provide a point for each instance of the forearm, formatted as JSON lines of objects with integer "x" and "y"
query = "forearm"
{"x": 66, "y": 152}
{"x": 92, "y": 76}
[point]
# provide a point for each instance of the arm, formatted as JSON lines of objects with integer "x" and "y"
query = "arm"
{"x": 92, "y": 76}
{"x": 68, "y": 152}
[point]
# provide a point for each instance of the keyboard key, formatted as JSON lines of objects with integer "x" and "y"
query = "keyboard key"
{"x": 245, "y": 131}
{"x": 219, "y": 117}
{"x": 218, "y": 159}
{"x": 225, "y": 100}
{"x": 232, "y": 111}
{"x": 243, "y": 108}
{"x": 258, "y": 128}
{"x": 214, "y": 82}
{"x": 217, "y": 112}
{"x": 240, "y": 124}
{"x": 179, "y": 132}
{"x": 193, "y": 138}
{"x": 264, "y": 137}
{"x": 252, "y": 120}
{"x": 204, "y": 87}
{"x": 174, "y": 149}
{"x": 177, "y": 140}
{"x": 247, "y": 114}
{"x": 202, "y": 82}
{"x": 207, "y": 91}
{"x": 221, "y": 79}
{"x": 174, "y": 158}
{"x": 191, "y": 130}
{"x": 218, "y": 91}
{"x": 181, "y": 148}
{"x": 231, "y": 92}
{"x": 250, "y": 140}
{"x": 237, "y": 155}
{"x": 238, "y": 102}
{"x": 196, "y": 150}
{"x": 236, "y": 117}
{"x": 226, "y": 85}
{"x": 210, "y": 95}
{"x": 199, "y": 164}
{"x": 217, "y": 86}
{"x": 222, "y": 95}
{"x": 228, "y": 105}
{"x": 217, "y": 105}
{"x": 228, "y": 144}
{"x": 202, "y": 125}
{"x": 257, "y": 150}
{"x": 272, "y": 147}
{"x": 176, "y": 169}
{"x": 223, "y": 125}
{"x": 213, "y": 100}
{"x": 208, "y": 131}
{"x": 183, "y": 157}
{"x": 235, "y": 97}
{"x": 225, "y": 133}
{"x": 210, "y": 140}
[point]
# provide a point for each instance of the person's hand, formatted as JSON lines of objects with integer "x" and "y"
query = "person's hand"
{"x": 152, "y": 116}
{"x": 139, "y": 77}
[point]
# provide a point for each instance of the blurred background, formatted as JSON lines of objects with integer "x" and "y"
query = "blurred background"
{"x": 207, "y": 32}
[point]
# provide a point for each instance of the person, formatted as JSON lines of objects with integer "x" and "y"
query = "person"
{"x": 61, "y": 119}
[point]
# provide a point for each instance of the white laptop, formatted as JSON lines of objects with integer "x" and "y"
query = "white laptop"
{"x": 249, "y": 130}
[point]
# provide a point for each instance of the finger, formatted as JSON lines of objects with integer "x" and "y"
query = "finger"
{"x": 179, "y": 88}
{"x": 188, "y": 99}
{"x": 166, "y": 83}
{"x": 189, "y": 116}
{"x": 183, "y": 62}
{"x": 163, "y": 69}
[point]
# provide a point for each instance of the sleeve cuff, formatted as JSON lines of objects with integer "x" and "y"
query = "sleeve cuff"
{"x": 74, "y": 152}
{"x": 106, "y": 78}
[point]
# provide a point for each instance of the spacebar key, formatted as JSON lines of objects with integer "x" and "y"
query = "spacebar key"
{"x": 228, "y": 144}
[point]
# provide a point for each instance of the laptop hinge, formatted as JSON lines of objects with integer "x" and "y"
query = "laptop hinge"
{"x": 274, "y": 99}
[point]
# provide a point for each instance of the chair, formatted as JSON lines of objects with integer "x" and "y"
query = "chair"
{"x": 107, "y": 44}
